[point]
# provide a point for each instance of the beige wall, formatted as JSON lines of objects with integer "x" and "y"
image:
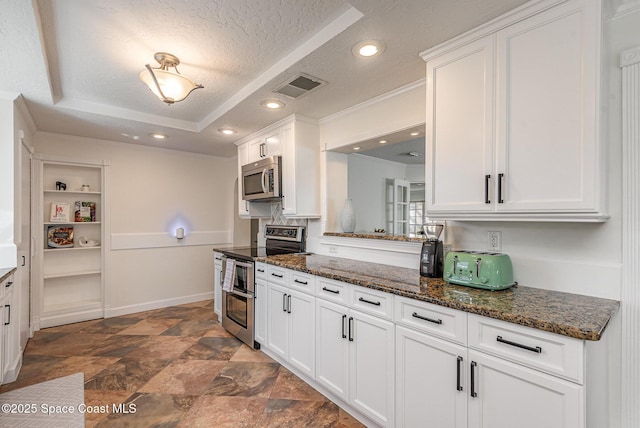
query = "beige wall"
{"x": 150, "y": 192}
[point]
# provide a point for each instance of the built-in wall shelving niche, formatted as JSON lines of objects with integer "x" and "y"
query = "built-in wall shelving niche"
{"x": 69, "y": 281}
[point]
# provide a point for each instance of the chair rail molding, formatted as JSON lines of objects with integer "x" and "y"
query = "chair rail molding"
{"x": 630, "y": 296}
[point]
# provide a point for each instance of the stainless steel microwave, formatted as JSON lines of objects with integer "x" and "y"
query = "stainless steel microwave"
{"x": 262, "y": 180}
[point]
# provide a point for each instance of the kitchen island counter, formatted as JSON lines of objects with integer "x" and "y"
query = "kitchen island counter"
{"x": 573, "y": 315}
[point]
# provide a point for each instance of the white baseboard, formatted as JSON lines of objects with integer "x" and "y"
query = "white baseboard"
{"x": 157, "y": 304}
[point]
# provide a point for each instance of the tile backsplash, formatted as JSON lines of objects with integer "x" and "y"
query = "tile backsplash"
{"x": 278, "y": 218}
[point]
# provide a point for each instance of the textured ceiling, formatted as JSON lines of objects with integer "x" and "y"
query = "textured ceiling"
{"x": 76, "y": 62}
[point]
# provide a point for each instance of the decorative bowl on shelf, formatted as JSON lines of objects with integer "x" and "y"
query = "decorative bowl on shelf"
{"x": 84, "y": 242}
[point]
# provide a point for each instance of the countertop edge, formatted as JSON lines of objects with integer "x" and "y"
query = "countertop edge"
{"x": 6, "y": 273}
{"x": 532, "y": 322}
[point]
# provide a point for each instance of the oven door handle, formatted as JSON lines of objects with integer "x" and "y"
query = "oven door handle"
{"x": 248, "y": 265}
{"x": 237, "y": 293}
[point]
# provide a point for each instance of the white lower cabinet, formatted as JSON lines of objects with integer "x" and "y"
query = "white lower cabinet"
{"x": 396, "y": 361}
{"x": 431, "y": 381}
{"x": 260, "y": 312}
{"x": 507, "y": 395}
{"x": 260, "y": 304}
{"x": 371, "y": 367}
{"x": 10, "y": 352}
{"x": 458, "y": 370}
{"x": 291, "y": 327}
{"x": 355, "y": 359}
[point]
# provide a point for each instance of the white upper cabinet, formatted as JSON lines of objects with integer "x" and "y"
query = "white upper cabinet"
{"x": 296, "y": 139}
{"x": 269, "y": 145}
{"x": 460, "y": 127}
{"x": 513, "y": 118}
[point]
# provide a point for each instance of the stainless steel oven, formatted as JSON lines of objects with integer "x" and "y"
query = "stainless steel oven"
{"x": 237, "y": 304}
{"x": 238, "y": 298}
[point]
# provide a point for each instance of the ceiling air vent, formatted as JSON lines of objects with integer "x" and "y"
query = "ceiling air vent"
{"x": 299, "y": 85}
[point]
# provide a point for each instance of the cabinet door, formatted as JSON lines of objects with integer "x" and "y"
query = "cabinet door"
{"x": 277, "y": 320}
{"x": 3, "y": 333}
{"x": 260, "y": 301}
{"x": 256, "y": 150}
{"x": 459, "y": 136}
{"x": 430, "y": 381}
{"x": 217, "y": 285}
{"x": 547, "y": 111}
{"x": 302, "y": 332}
{"x": 272, "y": 145}
{"x": 332, "y": 348}
{"x": 372, "y": 367}
{"x": 509, "y": 395}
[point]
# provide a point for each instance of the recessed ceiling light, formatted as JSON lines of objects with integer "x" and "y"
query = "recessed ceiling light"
{"x": 414, "y": 133}
{"x": 414, "y": 154}
{"x": 135, "y": 137}
{"x": 383, "y": 141}
{"x": 227, "y": 131}
{"x": 368, "y": 48}
{"x": 158, "y": 136}
{"x": 272, "y": 104}
{"x": 356, "y": 148}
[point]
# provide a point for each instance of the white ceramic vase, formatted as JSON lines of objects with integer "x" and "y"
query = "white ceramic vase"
{"x": 348, "y": 217}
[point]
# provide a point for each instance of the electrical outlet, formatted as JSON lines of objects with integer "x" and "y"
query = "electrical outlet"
{"x": 494, "y": 241}
{"x": 333, "y": 249}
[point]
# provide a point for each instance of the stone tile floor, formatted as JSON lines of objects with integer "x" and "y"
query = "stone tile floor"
{"x": 180, "y": 368}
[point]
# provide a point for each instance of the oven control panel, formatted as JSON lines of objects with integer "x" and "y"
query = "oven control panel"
{"x": 288, "y": 233}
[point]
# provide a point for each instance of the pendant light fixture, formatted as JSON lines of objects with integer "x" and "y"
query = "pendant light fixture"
{"x": 168, "y": 85}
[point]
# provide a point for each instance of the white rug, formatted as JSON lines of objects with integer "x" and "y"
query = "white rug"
{"x": 54, "y": 403}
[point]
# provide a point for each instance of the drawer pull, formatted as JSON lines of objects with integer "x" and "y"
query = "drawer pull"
{"x": 473, "y": 392}
{"x": 458, "y": 384}
{"x": 300, "y": 282}
{"x": 276, "y": 275}
{"x": 9, "y": 284}
{"x": 350, "y": 329}
{"x": 344, "y": 318}
{"x": 537, "y": 349}
{"x": 331, "y": 291}
{"x": 362, "y": 299}
{"x": 415, "y": 315}
{"x": 261, "y": 270}
{"x": 486, "y": 189}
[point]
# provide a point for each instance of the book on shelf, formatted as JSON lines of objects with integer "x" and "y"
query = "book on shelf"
{"x": 85, "y": 211}
{"x": 60, "y": 237}
{"x": 60, "y": 212}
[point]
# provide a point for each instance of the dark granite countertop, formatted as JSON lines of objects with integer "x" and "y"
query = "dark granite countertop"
{"x": 382, "y": 236}
{"x": 5, "y": 272}
{"x": 573, "y": 315}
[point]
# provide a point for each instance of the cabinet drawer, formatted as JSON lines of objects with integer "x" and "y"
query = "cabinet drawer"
{"x": 433, "y": 319}
{"x": 261, "y": 270}
{"x": 332, "y": 290}
{"x": 372, "y": 301}
{"x": 552, "y": 353}
{"x": 277, "y": 275}
{"x": 302, "y": 282}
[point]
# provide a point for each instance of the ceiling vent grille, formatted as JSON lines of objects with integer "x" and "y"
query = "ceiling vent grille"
{"x": 299, "y": 85}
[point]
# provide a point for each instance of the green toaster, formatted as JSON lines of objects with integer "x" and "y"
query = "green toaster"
{"x": 490, "y": 271}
